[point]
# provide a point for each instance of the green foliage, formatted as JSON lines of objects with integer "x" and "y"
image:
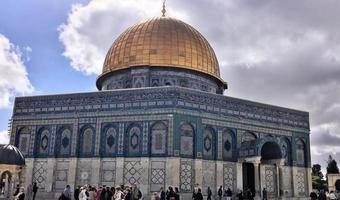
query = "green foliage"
{"x": 317, "y": 178}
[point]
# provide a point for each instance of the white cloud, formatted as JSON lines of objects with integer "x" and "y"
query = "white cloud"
{"x": 4, "y": 137}
{"x": 284, "y": 53}
{"x": 13, "y": 75}
{"x": 91, "y": 29}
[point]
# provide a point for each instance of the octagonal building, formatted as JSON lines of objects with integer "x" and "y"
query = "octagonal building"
{"x": 159, "y": 119}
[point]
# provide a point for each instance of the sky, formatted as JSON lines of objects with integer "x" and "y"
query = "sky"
{"x": 284, "y": 53}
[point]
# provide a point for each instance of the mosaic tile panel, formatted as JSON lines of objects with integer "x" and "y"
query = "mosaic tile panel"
{"x": 157, "y": 175}
{"x": 270, "y": 178}
{"x": 61, "y": 174}
{"x": 209, "y": 176}
{"x": 301, "y": 181}
{"x": 108, "y": 172}
{"x": 229, "y": 175}
{"x": 40, "y": 173}
{"x": 145, "y": 138}
{"x": 84, "y": 171}
{"x": 132, "y": 172}
{"x": 186, "y": 176}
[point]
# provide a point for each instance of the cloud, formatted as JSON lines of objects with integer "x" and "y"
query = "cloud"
{"x": 4, "y": 137}
{"x": 284, "y": 53}
{"x": 13, "y": 75}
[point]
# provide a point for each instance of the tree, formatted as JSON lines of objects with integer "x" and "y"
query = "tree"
{"x": 332, "y": 166}
{"x": 316, "y": 171}
{"x": 317, "y": 178}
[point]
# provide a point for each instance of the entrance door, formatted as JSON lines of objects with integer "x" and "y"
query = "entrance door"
{"x": 248, "y": 177}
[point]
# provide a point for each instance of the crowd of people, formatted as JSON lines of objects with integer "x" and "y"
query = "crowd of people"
{"x": 88, "y": 192}
{"x": 322, "y": 195}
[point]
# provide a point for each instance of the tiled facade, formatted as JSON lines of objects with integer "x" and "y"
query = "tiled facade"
{"x": 158, "y": 137}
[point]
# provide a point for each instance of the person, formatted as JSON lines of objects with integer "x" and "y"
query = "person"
{"x": 322, "y": 195}
{"x": 118, "y": 194}
{"x": 313, "y": 196}
{"x": 155, "y": 196}
{"x": 99, "y": 191}
{"x": 171, "y": 195}
{"x": 229, "y": 194}
{"x": 240, "y": 195}
{"x": 264, "y": 194}
{"x": 220, "y": 192}
{"x": 209, "y": 193}
{"x": 17, "y": 190}
{"x": 199, "y": 195}
{"x": 161, "y": 194}
{"x": 332, "y": 195}
{"x": 113, "y": 191}
{"x": 21, "y": 194}
{"x": 76, "y": 193}
{"x": 92, "y": 193}
{"x": 136, "y": 193}
{"x": 35, "y": 190}
{"x": 103, "y": 194}
{"x": 66, "y": 194}
{"x": 82, "y": 194}
{"x": 127, "y": 195}
{"x": 177, "y": 193}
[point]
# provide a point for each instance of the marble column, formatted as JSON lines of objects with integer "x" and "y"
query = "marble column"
{"x": 257, "y": 180}
{"x": 239, "y": 176}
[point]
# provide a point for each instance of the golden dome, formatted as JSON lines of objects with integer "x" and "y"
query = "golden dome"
{"x": 165, "y": 42}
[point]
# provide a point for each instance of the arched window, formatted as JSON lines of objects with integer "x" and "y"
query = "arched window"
{"x": 42, "y": 142}
{"x": 134, "y": 138}
{"x": 87, "y": 142}
{"x": 208, "y": 143}
{"x": 63, "y": 147}
{"x": 110, "y": 140}
{"x": 227, "y": 144}
{"x": 158, "y": 138}
{"x": 286, "y": 151}
{"x": 248, "y": 137}
{"x": 187, "y": 140}
{"x": 300, "y": 152}
{"x": 23, "y": 140}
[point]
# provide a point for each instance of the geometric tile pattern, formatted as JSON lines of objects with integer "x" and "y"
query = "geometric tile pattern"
{"x": 270, "y": 179}
{"x": 132, "y": 172}
{"x": 186, "y": 176}
{"x": 300, "y": 179}
{"x": 39, "y": 173}
{"x": 157, "y": 175}
{"x": 229, "y": 176}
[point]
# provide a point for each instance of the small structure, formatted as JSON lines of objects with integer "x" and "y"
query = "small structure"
{"x": 12, "y": 163}
{"x": 333, "y": 182}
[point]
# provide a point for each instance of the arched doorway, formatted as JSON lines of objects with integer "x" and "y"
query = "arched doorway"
{"x": 5, "y": 181}
{"x": 271, "y": 156}
{"x": 248, "y": 172}
{"x": 337, "y": 185}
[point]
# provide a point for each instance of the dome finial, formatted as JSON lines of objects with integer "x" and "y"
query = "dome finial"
{"x": 163, "y": 10}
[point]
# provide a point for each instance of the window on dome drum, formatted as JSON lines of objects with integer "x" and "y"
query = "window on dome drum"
{"x": 23, "y": 142}
{"x": 43, "y": 141}
{"x": 158, "y": 134}
{"x": 134, "y": 137}
{"x": 87, "y": 138}
{"x": 300, "y": 152}
{"x": 63, "y": 146}
{"x": 227, "y": 144}
{"x": 208, "y": 143}
{"x": 110, "y": 138}
{"x": 187, "y": 140}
